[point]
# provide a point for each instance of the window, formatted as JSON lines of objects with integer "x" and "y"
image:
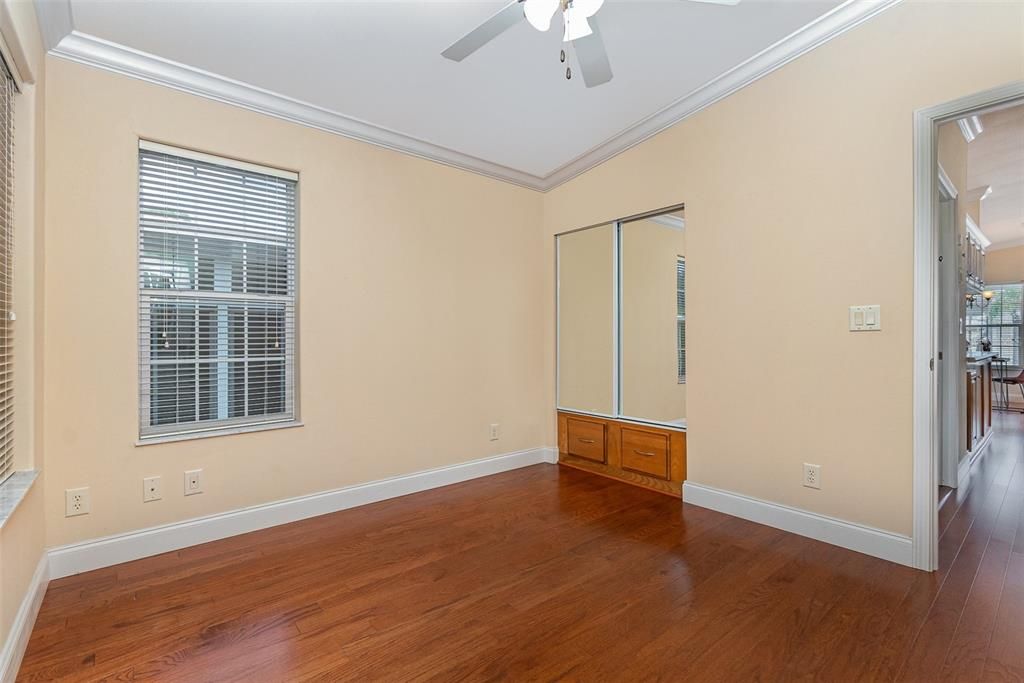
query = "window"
{"x": 216, "y": 294}
{"x": 681, "y": 316}
{"x": 999, "y": 320}
{"x": 7, "y": 90}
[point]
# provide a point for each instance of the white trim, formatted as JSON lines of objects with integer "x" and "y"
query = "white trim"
{"x": 57, "y": 26}
{"x": 863, "y": 539}
{"x": 946, "y": 183}
{"x": 974, "y": 231}
{"x": 104, "y": 552}
{"x": 669, "y": 221}
{"x": 925, "y": 488}
{"x": 205, "y": 158}
{"x": 823, "y": 29}
{"x": 13, "y": 49}
{"x": 970, "y": 129}
{"x": 93, "y": 51}
{"x": 963, "y": 472}
{"x": 24, "y": 620}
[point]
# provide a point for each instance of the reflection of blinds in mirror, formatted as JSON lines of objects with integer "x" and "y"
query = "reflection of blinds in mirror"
{"x": 681, "y": 316}
{"x": 216, "y": 293}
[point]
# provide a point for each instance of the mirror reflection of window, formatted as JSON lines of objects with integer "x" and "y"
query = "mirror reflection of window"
{"x": 681, "y": 317}
{"x": 653, "y": 332}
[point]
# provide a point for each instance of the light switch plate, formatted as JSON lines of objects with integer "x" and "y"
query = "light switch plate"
{"x": 865, "y": 318}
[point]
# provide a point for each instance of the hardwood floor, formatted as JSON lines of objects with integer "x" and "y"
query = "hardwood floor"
{"x": 551, "y": 573}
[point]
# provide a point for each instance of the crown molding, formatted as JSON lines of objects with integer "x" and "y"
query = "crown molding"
{"x": 974, "y": 231}
{"x": 846, "y": 16}
{"x": 56, "y": 23}
{"x": 669, "y": 221}
{"x": 93, "y": 51}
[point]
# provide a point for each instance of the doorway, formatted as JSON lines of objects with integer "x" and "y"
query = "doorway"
{"x": 941, "y": 320}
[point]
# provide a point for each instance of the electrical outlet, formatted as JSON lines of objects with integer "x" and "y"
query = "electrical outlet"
{"x": 495, "y": 432}
{"x": 193, "y": 482}
{"x": 812, "y": 476}
{"x": 76, "y": 502}
{"x": 152, "y": 489}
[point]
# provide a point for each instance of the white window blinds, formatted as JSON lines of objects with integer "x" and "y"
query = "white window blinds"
{"x": 681, "y": 316}
{"x": 7, "y": 91}
{"x": 217, "y": 276}
{"x": 1001, "y": 321}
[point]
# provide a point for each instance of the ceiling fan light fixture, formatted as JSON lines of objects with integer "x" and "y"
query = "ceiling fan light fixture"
{"x": 576, "y": 25}
{"x": 540, "y": 12}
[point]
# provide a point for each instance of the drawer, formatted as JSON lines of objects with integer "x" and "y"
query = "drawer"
{"x": 645, "y": 452}
{"x": 586, "y": 439}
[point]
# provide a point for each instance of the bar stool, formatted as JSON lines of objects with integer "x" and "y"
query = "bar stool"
{"x": 1007, "y": 382}
{"x": 1001, "y": 397}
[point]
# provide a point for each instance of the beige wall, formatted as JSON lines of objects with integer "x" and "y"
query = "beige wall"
{"x": 586, "y": 289}
{"x": 1005, "y": 265}
{"x": 650, "y": 372}
{"x": 419, "y": 319}
{"x": 22, "y": 535}
{"x": 799, "y": 203}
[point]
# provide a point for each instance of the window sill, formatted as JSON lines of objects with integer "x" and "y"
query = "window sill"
{"x": 13, "y": 491}
{"x": 227, "y": 431}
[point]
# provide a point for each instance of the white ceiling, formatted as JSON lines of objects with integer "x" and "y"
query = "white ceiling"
{"x": 996, "y": 158}
{"x": 508, "y": 104}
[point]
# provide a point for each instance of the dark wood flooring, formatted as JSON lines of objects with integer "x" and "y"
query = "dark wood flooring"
{"x": 550, "y": 573}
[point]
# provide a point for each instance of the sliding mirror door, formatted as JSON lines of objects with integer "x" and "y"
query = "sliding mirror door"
{"x": 622, "y": 319}
{"x": 652, "y": 254}
{"x": 586, "y": 320}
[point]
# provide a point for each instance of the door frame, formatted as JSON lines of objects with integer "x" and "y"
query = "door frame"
{"x": 925, "y": 405}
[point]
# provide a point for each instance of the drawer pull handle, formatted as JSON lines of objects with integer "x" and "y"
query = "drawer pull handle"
{"x": 649, "y": 454}
{"x": 586, "y": 441}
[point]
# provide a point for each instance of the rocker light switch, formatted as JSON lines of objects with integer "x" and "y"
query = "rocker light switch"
{"x": 865, "y": 318}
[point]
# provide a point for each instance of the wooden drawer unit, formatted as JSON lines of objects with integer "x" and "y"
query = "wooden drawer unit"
{"x": 645, "y": 452}
{"x": 639, "y": 454}
{"x": 587, "y": 439}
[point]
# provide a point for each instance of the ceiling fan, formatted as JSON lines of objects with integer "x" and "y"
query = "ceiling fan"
{"x": 580, "y": 30}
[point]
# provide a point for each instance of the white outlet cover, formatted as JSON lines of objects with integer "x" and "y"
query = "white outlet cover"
{"x": 152, "y": 489}
{"x": 812, "y": 476}
{"x": 77, "y": 502}
{"x": 193, "y": 482}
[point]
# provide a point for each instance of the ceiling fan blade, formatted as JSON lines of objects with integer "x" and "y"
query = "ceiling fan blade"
{"x": 592, "y": 57}
{"x": 718, "y": 2}
{"x": 507, "y": 17}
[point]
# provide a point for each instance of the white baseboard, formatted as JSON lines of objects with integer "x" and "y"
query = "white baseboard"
{"x": 863, "y": 539}
{"x": 963, "y": 472}
{"x": 105, "y": 552}
{"x": 24, "y": 620}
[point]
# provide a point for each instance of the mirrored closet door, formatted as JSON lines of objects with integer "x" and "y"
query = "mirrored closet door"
{"x": 622, "y": 319}
{"x": 586, "y": 320}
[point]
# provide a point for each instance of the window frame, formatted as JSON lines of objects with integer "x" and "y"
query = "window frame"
{"x": 988, "y": 326}
{"x": 146, "y": 297}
